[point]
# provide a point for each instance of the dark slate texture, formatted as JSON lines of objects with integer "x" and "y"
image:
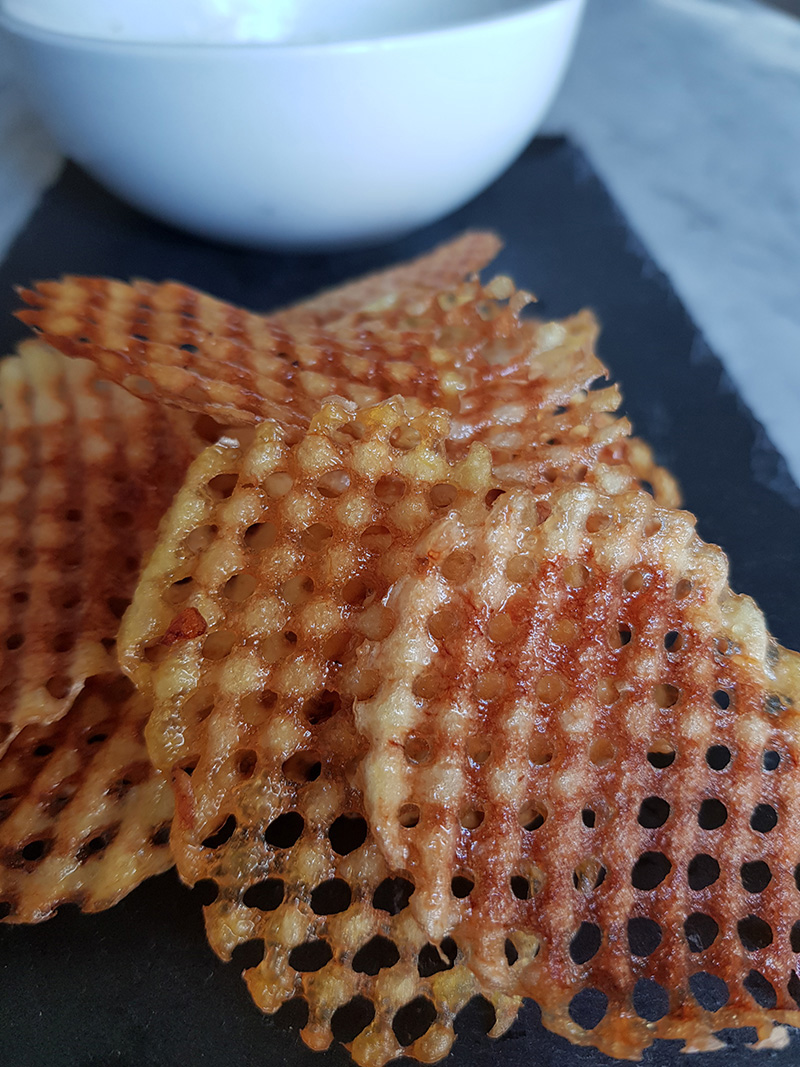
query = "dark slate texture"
{"x": 137, "y": 986}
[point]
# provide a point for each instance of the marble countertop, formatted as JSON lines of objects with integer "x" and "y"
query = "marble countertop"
{"x": 690, "y": 112}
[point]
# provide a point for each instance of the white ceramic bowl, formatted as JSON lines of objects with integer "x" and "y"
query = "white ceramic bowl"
{"x": 305, "y": 134}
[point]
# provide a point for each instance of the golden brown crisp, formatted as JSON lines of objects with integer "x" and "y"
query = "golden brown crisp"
{"x": 285, "y": 551}
{"x": 401, "y": 285}
{"x": 87, "y": 472}
{"x": 582, "y": 749}
{"x": 84, "y": 815}
{"x": 172, "y": 344}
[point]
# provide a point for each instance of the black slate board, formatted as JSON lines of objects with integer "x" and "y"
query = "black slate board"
{"x": 137, "y": 986}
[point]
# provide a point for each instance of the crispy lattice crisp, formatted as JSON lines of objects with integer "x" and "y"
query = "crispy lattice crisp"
{"x": 87, "y": 472}
{"x": 170, "y": 343}
{"x": 583, "y": 752}
{"x": 546, "y": 424}
{"x": 272, "y": 568}
{"x": 84, "y": 815}
{"x": 520, "y": 385}
{"x": 400, "y": 286}
{"x": 277, "y": 561}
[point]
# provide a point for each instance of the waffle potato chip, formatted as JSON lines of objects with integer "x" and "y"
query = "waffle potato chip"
{"x": 335, "y": 921}
{"x": 582, "y": 752}
{"x": 170, "y": 343}
{"x": 402, "y": 285}
{"x": 272, "y": 567}
{"x": 546, "y": 426}
{"x": 84, "y": 816}
{"x": 87, "y": 472}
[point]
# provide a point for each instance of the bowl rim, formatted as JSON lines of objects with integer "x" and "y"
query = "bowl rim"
{"x": 531, "y": 9}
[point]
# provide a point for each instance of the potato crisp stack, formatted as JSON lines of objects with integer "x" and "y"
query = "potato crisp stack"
{"x": 450, "y": 701}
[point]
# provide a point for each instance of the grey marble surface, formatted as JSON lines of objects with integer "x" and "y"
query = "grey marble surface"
{"x": 690, "y": 110}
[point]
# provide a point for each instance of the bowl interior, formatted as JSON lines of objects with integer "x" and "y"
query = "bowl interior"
{"x": 274, "y": 21}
